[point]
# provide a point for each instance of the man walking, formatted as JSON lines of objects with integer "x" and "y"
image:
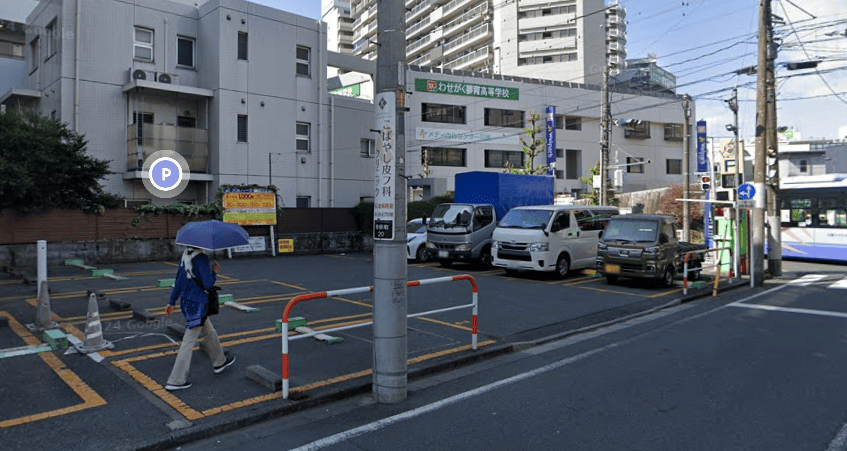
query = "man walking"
{"x": 193, "y": 277}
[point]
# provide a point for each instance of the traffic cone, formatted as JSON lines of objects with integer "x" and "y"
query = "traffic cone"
{"x": 43, "y": 313}
{"x": 93, "y": 330}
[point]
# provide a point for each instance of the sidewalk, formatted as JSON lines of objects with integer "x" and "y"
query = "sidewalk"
{"x": 61, "y": 400}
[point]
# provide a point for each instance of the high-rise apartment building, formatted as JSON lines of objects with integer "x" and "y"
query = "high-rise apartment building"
{"x": 565, "y": 40}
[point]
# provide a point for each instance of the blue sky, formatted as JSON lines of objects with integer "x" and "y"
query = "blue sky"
{"x": 683, "y": 33}
{"x": 703, "y": 41}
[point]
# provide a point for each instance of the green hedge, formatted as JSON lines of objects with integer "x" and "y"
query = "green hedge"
{"x": 364, "y": 212}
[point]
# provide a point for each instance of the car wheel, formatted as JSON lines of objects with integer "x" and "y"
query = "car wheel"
{"x": 667, "y": 277}
{"x": 445, "y": 263}
{"x": 563, "y": 265}
{"x": 422, "y": 254}
{"x": 485, "y": 257}
{"x": 611, "y": 278}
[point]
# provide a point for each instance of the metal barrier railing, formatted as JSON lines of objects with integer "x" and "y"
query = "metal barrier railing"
{"x": 474, "y": 305}
{"x": 717, "y": 265}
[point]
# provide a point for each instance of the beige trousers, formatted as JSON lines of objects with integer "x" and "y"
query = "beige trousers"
{"x": 209, "y": 343}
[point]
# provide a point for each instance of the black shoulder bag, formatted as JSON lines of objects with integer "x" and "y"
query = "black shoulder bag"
{"x": 212, "y": 294}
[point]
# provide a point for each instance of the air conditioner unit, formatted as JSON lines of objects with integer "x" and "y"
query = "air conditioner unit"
{"x": 162, "y": 77}
{"x": 139, "y": 74}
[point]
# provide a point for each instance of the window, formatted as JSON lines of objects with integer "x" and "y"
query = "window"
{"x": 504, "y": 118}
{"x": 34, "y": 47}
{"x": 50, "y": 36}
{"x": 573, "y": 123}
{"x": 633, "y": 166}
{"x": 185, "y": 121}
{"x": 673, "y": 132}
{"x": 242, "y": 45}
{"x": 444, "y": 156}
{"x": 796, "y": 213}
{"x": 673, "y": 166}
{"x": 53, "y": 115}
{"x": 304, "y": 55}
{"x": 804, "y": 166}
{"x": 368, "y": 147}
{"x": 448, "y": 114}
{"x": 639, "y": 131}
{"x": 304, "y": 201}
{"x": 242, "y": 128}
{"x": 560, "y": 175}
{"x": 142, "y": 46}
{"x": 184, "y": 51}
{"x": 832, "y": 213}
{"x": 560, "y": 154}
{"x": 304, "y": 139}
{"x": 573, "y": 164}
{"x": 499, "y": 158}
{"x": 139, "y": 119}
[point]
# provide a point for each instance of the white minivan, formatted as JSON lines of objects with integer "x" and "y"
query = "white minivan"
{"x": 549, "y": 237}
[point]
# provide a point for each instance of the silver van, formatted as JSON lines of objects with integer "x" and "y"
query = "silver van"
{"x": 549, "y": 238}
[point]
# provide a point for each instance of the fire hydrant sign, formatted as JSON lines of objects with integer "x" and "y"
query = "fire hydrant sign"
{"x": 250, "y": 206}
{"x": 385, "y": 170}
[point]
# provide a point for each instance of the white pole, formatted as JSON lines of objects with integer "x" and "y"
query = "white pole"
{"x": 273, "y": 242}
{"x": 42, "y": 263}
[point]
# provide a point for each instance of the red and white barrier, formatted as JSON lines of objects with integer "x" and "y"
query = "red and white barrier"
{"x": 474, "y": 305}
{"x": 717, "y": 265}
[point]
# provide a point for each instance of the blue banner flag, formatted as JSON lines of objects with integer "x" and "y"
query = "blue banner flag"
{"x": 702, "y": 156}
{"x": 551, "y": 140}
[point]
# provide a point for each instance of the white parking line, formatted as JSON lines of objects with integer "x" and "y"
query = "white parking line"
{"x": 808, "y": 279}
{"x": 791, "y": 310}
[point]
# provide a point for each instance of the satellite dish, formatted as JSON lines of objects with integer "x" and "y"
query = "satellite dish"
{"x": 139, "y": 74}
{"x": 164, "y": 78}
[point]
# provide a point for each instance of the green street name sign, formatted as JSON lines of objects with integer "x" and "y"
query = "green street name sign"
{"x": 465, "y": 89}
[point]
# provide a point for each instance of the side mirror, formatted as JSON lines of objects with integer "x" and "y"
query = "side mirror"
{"x": 663, "y": 239}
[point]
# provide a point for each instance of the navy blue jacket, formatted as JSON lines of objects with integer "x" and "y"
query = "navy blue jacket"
{"x": 193, "y": 300}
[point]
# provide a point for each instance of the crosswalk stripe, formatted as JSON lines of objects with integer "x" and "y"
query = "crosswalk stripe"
{"x": 808, "y": 279}
{"x": 840, "y": 285}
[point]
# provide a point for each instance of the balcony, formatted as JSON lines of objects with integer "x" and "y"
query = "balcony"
{"x": 424, "y": 7}
{"x": 465, "y": 20}
{"x": 417, "y": 44}
{"x": 476, "y": 35}
{"x": 614, "y": 46}
{"x": 414, "y": 29}
{"x": 420, "y": 61}
{"x": 617, "y": 34}
{"x": 453, "y": 7}
{"x": 191, "y": 143}
{"x": 469, "y": 60}
{"x": 614, "y": 60}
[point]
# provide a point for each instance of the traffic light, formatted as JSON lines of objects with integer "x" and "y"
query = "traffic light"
{"x": 705, "y": 183}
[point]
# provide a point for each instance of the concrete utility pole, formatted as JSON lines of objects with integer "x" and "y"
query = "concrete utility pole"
{"x": 390, "y": 276}
{"x": 739, "y": 160}
{"x": 774, "y": 229}
{"x": 757, "y": 246}
{"x": 605, "y": 113}
{"x": 686, "y": 167}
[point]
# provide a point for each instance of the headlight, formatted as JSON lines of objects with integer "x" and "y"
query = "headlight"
{"x": 652, "y": 250}
{"x": 463, "y": 247}
{"x": 495, "y": 245}
{"x": 602, "y": 247}
{"x": 430, "y": 245}
{"x": 539, "y": 247}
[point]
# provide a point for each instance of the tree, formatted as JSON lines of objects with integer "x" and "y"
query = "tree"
{"x": 671, "y": 206}
{"x": 531, "y": 149}
{"x": 44, "y": 165}
{"x": 594, "y": 195}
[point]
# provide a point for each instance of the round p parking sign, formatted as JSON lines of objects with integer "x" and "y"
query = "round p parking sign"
{"x": 166, "y": 174}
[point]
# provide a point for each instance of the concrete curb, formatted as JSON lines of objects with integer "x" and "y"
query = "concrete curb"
{"x": 281, "y": 408}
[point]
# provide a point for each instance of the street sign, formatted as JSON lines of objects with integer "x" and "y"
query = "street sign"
{"x": 383, "y": 230}
{"x": 746, "y": 192}
{"x": 747, "y": 204}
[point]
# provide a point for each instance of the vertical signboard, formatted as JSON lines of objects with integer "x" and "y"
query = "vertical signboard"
{"x": 384, "y": 172}
{"x": 702, "y": 156}
{"x": 551, "y": 140}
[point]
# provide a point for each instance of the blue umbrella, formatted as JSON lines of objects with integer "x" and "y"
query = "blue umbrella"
{"x": 212, "y": 235}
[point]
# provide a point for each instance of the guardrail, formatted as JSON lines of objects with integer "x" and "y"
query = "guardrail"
{"x": 686, "y": 270}
{"x": 474, "y": 305}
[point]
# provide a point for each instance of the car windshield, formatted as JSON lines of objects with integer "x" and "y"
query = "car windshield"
{"x": 526, "y": 219}
{"x": 415, "y": 227}
{"x": 450, "y": 215}
{"x": 631, "y": 230}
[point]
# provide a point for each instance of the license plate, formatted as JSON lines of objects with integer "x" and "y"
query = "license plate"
{"x": 613, "y": 269}
{"x": 442, "y": 254}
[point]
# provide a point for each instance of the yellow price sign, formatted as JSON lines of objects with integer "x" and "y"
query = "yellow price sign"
{"x": 286, "y": 245}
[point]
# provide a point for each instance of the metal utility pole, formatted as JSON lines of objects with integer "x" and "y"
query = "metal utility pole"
{"x": 605, "y": 113}
{"x": 686, "y": 156}
{"x": 390, "y": 276}
{"x": 774, "y": 229}
{"x": 757, "y": 246}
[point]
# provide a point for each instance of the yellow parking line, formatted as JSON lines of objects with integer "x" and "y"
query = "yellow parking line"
{"x": 90, "y": 397}
{"x": 159, "y": 391}
{"x": 665, "y": 293}
{"x": 296, "y": 287}
{"x": 350, "y": 301}
{"x": 443, "y": 323}
{"x": 610, "y": 291}
{"x": 580, "y": 281}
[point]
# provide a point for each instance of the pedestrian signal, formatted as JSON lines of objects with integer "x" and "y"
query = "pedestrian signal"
{"x": 705, "y": 182}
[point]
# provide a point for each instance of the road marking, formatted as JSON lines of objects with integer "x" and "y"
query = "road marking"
{"x": 90, "y": 397}
{"x": 444, "y": 323}
{"x": 792, "y": 310}
{"x": 385, "y": 422}
{"x": 840, "y": 285}
{"x": 808, "y": 279}
{"x": 610, "y": 291}
{"x": 296, "y": 287}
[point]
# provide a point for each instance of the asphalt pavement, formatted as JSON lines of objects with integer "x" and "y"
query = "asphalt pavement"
{"x": 115, "y": 398}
